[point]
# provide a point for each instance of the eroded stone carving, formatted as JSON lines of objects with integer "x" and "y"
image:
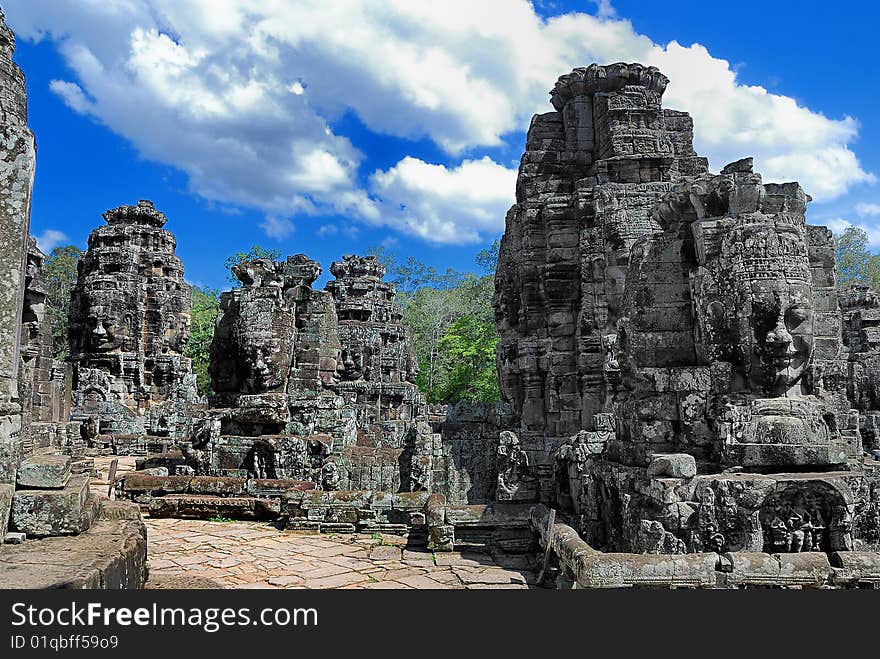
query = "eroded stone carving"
{"x": 861, "y": 335}
{"x": 129, "y": 325}
{"x": 515, "y": 481}
{"x": 591, "y": 172}
{"x": 314, "y": 385}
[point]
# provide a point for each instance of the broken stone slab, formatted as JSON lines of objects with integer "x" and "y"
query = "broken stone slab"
{"x": 852, "y": 568}
{"x": 51, "y": 512}
{"x": 83, "y": 466}
{"x": 44, "y": 471}
{"x": 756, "y": 569}
{"x": 139, "y": 482}
{"x": 156, "y": 471}
{"x": 672, "y": 465}
{"x": 275, "y": 487}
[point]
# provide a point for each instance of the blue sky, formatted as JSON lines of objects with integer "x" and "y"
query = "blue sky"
{"x": 330, "y": 127}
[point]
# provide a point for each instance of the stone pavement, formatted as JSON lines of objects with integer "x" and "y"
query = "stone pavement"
{"x": 185, "y": 553}
{"x": 257, "y": 555}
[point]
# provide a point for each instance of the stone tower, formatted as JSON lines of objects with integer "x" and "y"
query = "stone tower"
{"x": 591, "y": 172}
{"x": 377, "y": 376}
{"x": 129, "y": 326}
{"x": 733, "y": 427}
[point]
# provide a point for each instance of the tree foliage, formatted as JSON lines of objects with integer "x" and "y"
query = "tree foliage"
{"x": 255, "y": 252}
{"x": 205, "y": 305}
{"x": 59, "y": 270}
{"x": 452, "y": 323}
{"x": 467, "y": 355}
{"x": 855, "y": 264}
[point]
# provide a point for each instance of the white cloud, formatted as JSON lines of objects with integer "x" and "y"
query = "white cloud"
{"x": 241, "y": 95}
{"x": 73, "y": 95}
{"x": 49, "y": 240}
{"x": 278, "y": 228}
{"x": 445, "y": 205}
{"x": 867, "y": 210}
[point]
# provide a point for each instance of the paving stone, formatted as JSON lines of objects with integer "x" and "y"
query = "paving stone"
{"x": 489, "y": 576}
{"x": 245, "y": 554}
{"x": 336, "y": 581}
{"x": 384, "y": 553}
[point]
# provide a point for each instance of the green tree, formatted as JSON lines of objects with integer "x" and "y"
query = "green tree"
{"x": 60, "y": 272}
{"x": 430, "y": 313}
{"x": 205, "y": 306}
{"x": 452, "y": 323}
{"x": 468, "y": 348}
{"x": 855, "y": 264}
{"x": 255, "y": 252}
{"x": 487, "y": 259}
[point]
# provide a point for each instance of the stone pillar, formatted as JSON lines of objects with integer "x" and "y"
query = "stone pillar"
{"x": 17, "y": 161}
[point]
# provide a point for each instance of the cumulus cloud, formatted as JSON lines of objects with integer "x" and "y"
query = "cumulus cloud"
{"x": 242, "y": 96}
{"x": 445, "y": 205}
{"x": 278, "y": 228}
{"x": 50, "y": 239}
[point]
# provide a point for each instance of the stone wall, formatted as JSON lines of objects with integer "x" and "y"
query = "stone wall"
{"x": 861, "y": 335}
{"x": 18, "y": 158}
{"x": 466, "y": 461}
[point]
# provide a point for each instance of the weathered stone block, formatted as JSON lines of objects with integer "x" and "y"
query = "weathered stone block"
{"x": 50, "y": 512}
{"x": 44, "y": 471}
{"x": 672, "y": 465}
{"x": 6, "y": 493}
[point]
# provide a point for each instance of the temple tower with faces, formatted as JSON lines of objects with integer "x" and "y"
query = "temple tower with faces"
{"x": 590, "y": 174}
{"x": 732, "y": 427}
{"x": 129, "y": 325}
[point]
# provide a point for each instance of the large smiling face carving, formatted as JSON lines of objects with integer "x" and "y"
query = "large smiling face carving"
{"x": 781, "y": 337}
{"x": 756, "y": 307}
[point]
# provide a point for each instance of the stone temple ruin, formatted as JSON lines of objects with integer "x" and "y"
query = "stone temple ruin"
{"x": 53, "y": 531}
{"x": 688, "y": 399}
{"x": 129, "y": 325}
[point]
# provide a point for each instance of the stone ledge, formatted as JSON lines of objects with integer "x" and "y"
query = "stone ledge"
{"x": 186, "y": 506}
{"x": 585, "y": 567}
{"x": 111, "y": 555}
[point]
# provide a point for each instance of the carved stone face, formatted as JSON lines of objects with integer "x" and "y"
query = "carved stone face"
{"x": 352, "y": 364}
{"x": 264, "y": 336}
{"x": 106, "y": 328}
{"x": 264, "y": 362}
{"x": 781, "y": 338}
{"x": 182, "y": 337}
{"x": 756, "y": 305}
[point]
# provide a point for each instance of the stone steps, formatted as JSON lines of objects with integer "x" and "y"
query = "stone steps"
{"x": 110, "y": 555}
